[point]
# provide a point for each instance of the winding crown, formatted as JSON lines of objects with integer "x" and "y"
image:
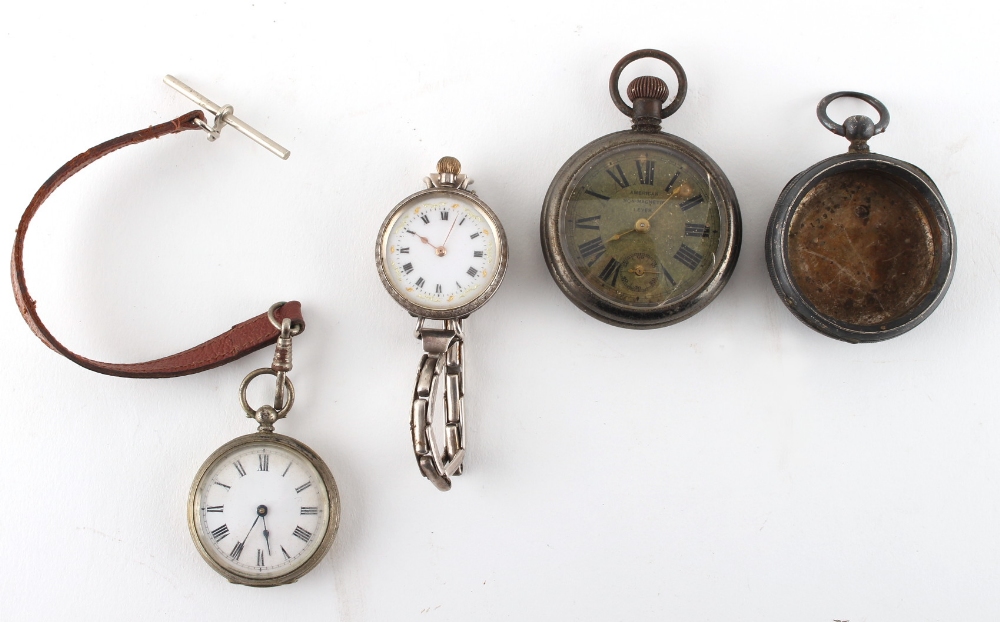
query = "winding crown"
{"x": 449, "y": 165}
{"x": 647, "y": 87}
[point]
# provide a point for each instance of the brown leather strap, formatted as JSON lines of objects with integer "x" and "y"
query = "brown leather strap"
{"x": 241, "y": 340}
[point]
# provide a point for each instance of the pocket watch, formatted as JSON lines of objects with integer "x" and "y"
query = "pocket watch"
{"x": 264, "y": 508}
{"x": 441, "y": 254}
{"x": 640, "y": 228}
{"x": 860, "y": 246}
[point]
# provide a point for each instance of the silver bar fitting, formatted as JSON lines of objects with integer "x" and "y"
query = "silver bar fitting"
{"x": 227, "y": 117}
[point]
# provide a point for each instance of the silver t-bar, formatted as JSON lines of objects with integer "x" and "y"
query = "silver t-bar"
{"x": 229, "y": 119}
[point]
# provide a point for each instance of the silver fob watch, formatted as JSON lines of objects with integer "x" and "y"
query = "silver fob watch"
{"x": 264, "y": 508}
{"x": 441, "y": 254}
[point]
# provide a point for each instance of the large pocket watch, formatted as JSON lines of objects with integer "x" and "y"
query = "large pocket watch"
{"x": 860, "y": 246}
{"x": 441, "y": 254}
{"x": 640, "y": 228}
{"x": 264, "y": 508}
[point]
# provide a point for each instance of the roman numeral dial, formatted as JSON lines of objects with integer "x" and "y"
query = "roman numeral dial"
{"x": 640, "y": 226}
{"x": 440, "y": 252}
{"x": 271, "y": 516}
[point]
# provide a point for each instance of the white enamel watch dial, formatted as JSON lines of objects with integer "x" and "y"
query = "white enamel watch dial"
{"x": 441, "y": 251}
{"x": 263, "y": 510}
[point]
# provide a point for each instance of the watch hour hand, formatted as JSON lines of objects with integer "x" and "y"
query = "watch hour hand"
{"x": 422, "y": 239}
{"x": 266, "y": 534}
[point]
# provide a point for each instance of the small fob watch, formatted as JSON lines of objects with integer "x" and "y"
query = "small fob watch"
{"x": 441, "y": 253}
{"x": 264, "y": 508}
{"x": 640, "y": 228}
{"x": 264, "y": 492}
{"x": 860, "y": 246}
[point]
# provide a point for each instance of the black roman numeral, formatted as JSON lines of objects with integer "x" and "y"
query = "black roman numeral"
{"x": 220, "y": 533}
{"x": 221, "y": 484}
{"x": 237, "y": 551}
{"x": 692, "y": 202}
{"x": 214, "y": 508}
{"x": 591, "y": 222}
{"x": 444, "y": 215}
{"x": 306, "y": 510}
{"x": 669, "y": 278}
{"x": 620, "y": 177}
{"x": 407, "y": 268}
{"x": 688, "y": 256}
{"x": 285, "y": 553}
{"x": 420, "y": 282}
{"x": 286, "y": 469}
{"x": 472, "y": 272}
{"x": 474, "y": 236}
{"x": 645, "y": 176}
{"x": 672, "y": 180}
{"x": 610, "y": 272}
{"x": 696, "y": 231}
{"x": 597, "y": 195}
{"x": 260, "y": 557}
{"x": 405, "y": 249}
{"x": 262, "y": 461}
{"x": 437, "y": 289}
{"x": 477, "y": 253}
{"x": 461, "y": 221}
{"x": 302, "y": 534}
{"x": 424, "y": 218}
{"x": 303, "y": 487}
{"x": 593, "y": 247}
{"x": 239, "y": 468}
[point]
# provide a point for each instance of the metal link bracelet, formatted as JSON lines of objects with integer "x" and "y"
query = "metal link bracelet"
{"x": 443, "y": 358}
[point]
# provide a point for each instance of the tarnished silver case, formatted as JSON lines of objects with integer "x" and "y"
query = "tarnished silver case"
{"x": 333, "y": 508}
{"x": 777, "y": 256}
{"x": 627, "y": 316}
{"x": 463, "y": 310}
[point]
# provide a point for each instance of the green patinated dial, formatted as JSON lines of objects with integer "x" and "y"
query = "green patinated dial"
{"x": 641, "y": 226}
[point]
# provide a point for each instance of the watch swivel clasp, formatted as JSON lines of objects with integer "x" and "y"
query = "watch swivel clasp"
{"x": 224, "y": 116}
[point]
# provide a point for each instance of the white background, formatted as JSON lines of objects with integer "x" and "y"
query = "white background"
{"x": 737, "y": 466}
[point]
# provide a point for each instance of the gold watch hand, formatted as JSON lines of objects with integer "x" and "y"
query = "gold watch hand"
{"x": 449, "y": 232}
{"x": 618, "y": 236}
{"x": 643, "y": 223}
{"x": 672, "y": 194}
{"x": 422, "y": 239}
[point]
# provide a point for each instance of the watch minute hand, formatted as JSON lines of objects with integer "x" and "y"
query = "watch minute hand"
{"x": 672, "y": 195}
{"x": 452, "y": 228}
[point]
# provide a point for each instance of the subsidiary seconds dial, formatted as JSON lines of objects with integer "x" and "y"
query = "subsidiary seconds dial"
{"x": 441, "y": 251}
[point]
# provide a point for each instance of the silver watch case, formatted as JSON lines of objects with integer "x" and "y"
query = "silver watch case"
{"x": 467, "y": 308}
{"x": 333, "y": 508}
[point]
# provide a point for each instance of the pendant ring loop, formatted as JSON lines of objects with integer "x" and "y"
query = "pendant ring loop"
{"x": 287, "y": 406}
{"x": 838, "y": 128}
{"x": 682, "y": 84}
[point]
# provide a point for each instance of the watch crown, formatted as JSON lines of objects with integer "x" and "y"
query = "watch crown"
{"x": 647, "y": 87}
{"x": 449, "y": 166}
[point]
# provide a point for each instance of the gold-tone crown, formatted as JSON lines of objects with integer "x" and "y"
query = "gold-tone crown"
{"x": 449, "y": 165}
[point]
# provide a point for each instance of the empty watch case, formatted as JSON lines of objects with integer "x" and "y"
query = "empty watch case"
{"x": 860, "y": 246}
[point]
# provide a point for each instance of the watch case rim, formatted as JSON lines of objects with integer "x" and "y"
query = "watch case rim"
{"x": 333, "y": 509}
{"x": 776, "y": 245}
{"x": 468, "y": 308}
{"x": 616, "y": 314}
